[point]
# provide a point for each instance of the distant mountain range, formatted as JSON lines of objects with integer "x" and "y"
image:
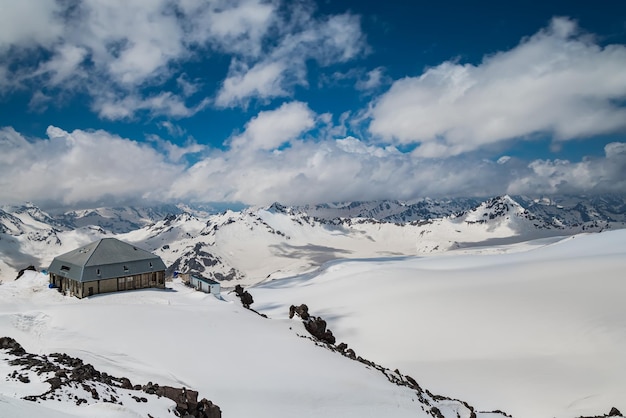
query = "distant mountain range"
{"x": 257, "y": 244}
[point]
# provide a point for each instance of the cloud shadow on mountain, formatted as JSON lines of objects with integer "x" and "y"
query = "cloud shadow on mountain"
{"x": 316, "y": 254}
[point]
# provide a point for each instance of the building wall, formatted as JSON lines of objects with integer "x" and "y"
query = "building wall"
{"x": 80, "y": 290}
{"x": 107, "y": 285}
{"x": 203, "y": 286}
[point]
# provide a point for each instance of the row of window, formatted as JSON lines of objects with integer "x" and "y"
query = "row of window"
{"x": 126, "y": 269}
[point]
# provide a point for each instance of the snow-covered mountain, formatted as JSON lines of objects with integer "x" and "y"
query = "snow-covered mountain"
{"x": 391, "y": 210}
{"x": 532, "y": 329}
{"x": 260, "y": 244}
{"x": 257, "y": 244}
{"x": 513, "y": 304}
{"x": 117, "y": 220}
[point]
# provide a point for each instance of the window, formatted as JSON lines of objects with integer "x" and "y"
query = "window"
{"x": 150, "y": 265}
{"x": 98, "y": 272}
{"x": 65, "y": 268}
{"x": 126, "y": 269}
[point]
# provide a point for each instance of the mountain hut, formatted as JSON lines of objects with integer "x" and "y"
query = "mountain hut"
{"x": 106, "y": 265}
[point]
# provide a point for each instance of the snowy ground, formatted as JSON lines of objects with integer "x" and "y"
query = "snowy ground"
{"x": 535, "y": 329}
{"x": 248, "y": 365}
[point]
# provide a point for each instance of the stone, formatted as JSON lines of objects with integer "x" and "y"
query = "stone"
{"x": 12, "y": 346}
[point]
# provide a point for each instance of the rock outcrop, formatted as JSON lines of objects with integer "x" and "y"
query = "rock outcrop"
{"x": 63, "y": 371}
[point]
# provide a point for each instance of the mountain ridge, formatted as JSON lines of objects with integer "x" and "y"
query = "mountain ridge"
{"x": 261, "y": 243}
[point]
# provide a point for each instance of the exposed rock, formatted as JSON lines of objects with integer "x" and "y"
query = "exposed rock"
{"x": 614, "y": 412}
{"x": 71, "y": 372}
{"x": 55, "y": 383}
{"x": 21, "y": 272}
{"x": 125, "y": 383}
{"x": 207, "y": 409}
{"x": 315, "y": 325}
{"x": 244, "y": 296}
{"x": 13, "y": 347}
{"x": 302, "y": 311}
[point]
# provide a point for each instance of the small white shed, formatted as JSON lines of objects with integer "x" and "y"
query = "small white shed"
{"x": 203, "y": 284}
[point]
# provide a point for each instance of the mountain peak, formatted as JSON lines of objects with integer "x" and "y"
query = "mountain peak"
{"x": 278, "y": 208}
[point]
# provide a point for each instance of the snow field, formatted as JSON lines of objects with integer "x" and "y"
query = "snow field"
{"x": 535, "y": 333}
{"x": 248, "y": 365}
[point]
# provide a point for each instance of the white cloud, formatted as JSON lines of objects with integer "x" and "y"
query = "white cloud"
{"x": 83, "y": 168}
{"x": 189, "y": 88}
{"x": 39, "y": 102}
{"x": 373, "y": 79}
{"x": 504, "y": 159}
{"x": 276, "y": 73}
{"x": 29, "y": 23}
{"x": 231, "y": 26}
{"x": 80, "y": 166}
{"x": 111, "y": 106}
{"x": 114, "y": 46}
{"x": 557, "y": 82}
{"x": 271, "y": 129}
{"x": 65, "y": 64}
{"x": 130, "y": 42}
{"x": 123, "y": 49}
{"x": 264, "y": 81}
{"x": 605, "y": 175}
{"x": 172, "y": 129}
{"x": 173, "y": 152}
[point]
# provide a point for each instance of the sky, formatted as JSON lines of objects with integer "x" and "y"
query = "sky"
{"x": 110, "y": 102}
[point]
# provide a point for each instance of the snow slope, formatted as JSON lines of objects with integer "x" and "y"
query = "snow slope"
{"x": 536, "y": 329}
{"x": 248, "y": 365}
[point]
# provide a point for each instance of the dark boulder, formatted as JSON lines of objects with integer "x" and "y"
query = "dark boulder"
{"x": 317, "y": 327}
{"x": 207, "y": 409}
{"x": 21, "y": 272}
{"x": 85, "y": 372}
{"x": 12, "y": 346}
{"x": 302, "y": 311}
{"x": 55, "y": 383}
{"x": 244, "y": 296}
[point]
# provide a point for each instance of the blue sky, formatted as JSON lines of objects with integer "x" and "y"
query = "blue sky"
{"x": 254, "y": 101}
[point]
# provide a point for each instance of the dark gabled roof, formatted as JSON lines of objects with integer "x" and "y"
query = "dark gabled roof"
{"x": 104, "y": 259}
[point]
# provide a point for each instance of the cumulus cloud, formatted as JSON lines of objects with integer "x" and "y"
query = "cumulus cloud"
{"x": 29, "y": 23}
{"x": 116, "y": 51}
{"x": 231, "y": 26}
{"x": 97, "y": 168}
{"x": 348, "y": 169}
{"x": 174, "y": 152}
{"x": 603, "y": 175}
{"x": 264, "y": 80}
{"x": 80, "y": 166}
{"x": 271, "y": 129}
{"x": 558, "y": 82}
